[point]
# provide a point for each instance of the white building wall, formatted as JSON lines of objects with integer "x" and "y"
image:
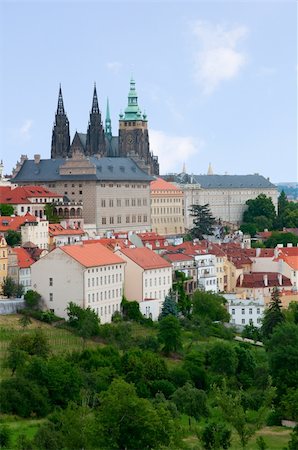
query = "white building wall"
{"x": 245, "y": 312}
{"x": 207, "y": 276}
{"x": 36, "y": 232}
{"x": 150, "y": 309}
{"x": 25, "y": 278}
{"x": 59, "y": 280}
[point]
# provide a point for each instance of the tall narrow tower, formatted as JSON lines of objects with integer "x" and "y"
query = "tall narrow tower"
{"x": 95, "y": 143}
{"x": 60, "y": 147}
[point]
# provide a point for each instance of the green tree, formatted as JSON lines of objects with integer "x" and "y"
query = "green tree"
{"x": 203, "y": 221}
{"x": 50, "y": 213}
{"x": 11, "y": 289}
{"x": 282, "y": 349}
{"x": 215, "y": 435}
{"x": 32, "y": 299}
{"x": 6, "y": 210}
{"x": 85, "y": 321}
{"x": 13, "y": 238}
{"x": 251, "y": 332}
{"x": 128, "y": 422}
{"x": 223, "y": 358}
{"x": 169, "y": 306}
{"x": 261, "y": 443}
{"x": 261, "y": 212}
{"x": 293, "y": 442}
{"x": 281, "y": 238}
{"x": 240, "y": 418}
{"x": 169, "y": 334}
{"x": 273, "y": 316}
{"x": 207, "y": 305}
{"x": 131, "y": 310}
{"x": 184, "y": 302}
{"x": 191, "y": 401}
{"x": 5, "y": 436}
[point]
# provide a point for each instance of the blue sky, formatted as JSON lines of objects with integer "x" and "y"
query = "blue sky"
{"x": 218, "y": 80}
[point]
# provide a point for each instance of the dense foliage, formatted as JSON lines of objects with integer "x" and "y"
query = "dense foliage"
{"x": 203, "y": 221}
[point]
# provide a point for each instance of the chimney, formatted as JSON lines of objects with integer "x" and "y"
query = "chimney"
{"x": 241, "y": 279}
{"x": 37, "y": 159}
{"x": 258, "y": 252}
{"x": 265, "y": 279}
{"x": 276, "y": 253}
{"x": 279, "y": 277}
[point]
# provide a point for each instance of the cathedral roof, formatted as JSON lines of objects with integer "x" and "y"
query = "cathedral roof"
{"x": 107, "y": 169}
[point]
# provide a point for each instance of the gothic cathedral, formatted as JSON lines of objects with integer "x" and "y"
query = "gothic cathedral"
{"x": 132, "y": 142}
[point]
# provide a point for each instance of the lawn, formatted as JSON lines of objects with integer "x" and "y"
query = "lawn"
{"x": 26, "y": 427}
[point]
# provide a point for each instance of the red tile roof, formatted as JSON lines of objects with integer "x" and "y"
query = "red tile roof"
{"x": 92, "y": 255}
{"x": 173, "y": 257}
{"x": 256, "y": 280}
{"x": 14, "y": 223}
{"x": 145, "y": 258}
{"x": 23, "y": 194}
{"x": 108, "y": 242}
{"x": 55, "y": 229}
{"x": 24, "y": 259}
{"x": 161, "y": 185}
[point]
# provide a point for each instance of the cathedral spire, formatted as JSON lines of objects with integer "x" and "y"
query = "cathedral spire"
{"x": 210, "y": 170}
{"x": 132, "y": 112}
{"x": 95, "y": 108}
{"x": 60, "y": 107}
{"x": 108, "y": 128}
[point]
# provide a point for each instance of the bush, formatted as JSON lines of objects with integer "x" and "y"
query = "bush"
{"x": 5, "y": 436}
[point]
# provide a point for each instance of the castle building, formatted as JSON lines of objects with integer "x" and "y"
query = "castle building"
{"x": 132, "y": 142}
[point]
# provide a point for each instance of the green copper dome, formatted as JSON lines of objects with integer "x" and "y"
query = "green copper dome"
{"x": 132, "y": 111}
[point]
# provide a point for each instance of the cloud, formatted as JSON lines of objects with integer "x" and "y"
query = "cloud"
{"x": 114, "y": 66}
{"x": 173, "y": 151}
{"x": 24, "y": 130}
{"x": 217, "y": 59}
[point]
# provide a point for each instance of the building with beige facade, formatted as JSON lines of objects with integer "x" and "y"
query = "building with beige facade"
{"x": 114, "y": 192}
{"x": 148, "y": 279}
{"x": 37, "y": 232}
{"x": 3, "y": 259}
{"x": 225, "y": 194}
{"x": 166, "y": 208}
{"x": 88, "y": 275}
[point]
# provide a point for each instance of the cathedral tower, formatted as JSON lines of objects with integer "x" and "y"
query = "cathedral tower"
{"x": 95, "y": 143}
{"x": 133, "y": 134}
{"x": 60, "y": 147}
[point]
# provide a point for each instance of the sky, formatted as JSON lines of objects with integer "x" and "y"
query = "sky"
{"x": 217, "y": 79}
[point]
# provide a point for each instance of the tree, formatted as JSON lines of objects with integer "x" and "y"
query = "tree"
{"x": 184, "y": 302}
{"x": 13, "y": 238}
{"x": 260, "y": 212}
{"x": 251, "y": 332}
{"x": 11, "y": 289}
{"x": 85, "y": 321}
{"x": 282, "y": 351}
{"x": 170, "y": 334}
{"x": 207, "y": 305}
{"x": 6, "y": 210}
{"x": 128, "y": 422}
{"x": 293, "y": 442}
{"x": 32, "y": 299}
{"x": 273, "y": 315}
{"x": 50, "y": 213}
{"x": 131, "y": 310}
{"x": 5, "y": 436}
{"x": 281, "y": 238}
{"x": 191, "y": 401}
{"x": 203, "y": 221}
{"x": 223, "y": 358}
{"x": 169, "y": 306}
{"x": 216, "y": 435}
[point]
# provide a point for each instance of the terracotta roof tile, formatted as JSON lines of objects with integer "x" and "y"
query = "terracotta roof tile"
{"x": 145, "y": 258}
{"x": 92, "y": 255}
{"x": 256, "y": 279}
{"x": 24, "y": 259}
{"x": 161, "y": 185}
{"x": 14, "y": 223}
{"x": 22, "y": 194}
{"x": 55, "y": 229}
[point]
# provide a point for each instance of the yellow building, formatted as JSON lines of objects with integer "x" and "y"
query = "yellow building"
{"x": 3, "y": 259}
{"x": 166, "y": 208}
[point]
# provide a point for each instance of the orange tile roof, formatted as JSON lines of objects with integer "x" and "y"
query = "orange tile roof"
{"x": 92, "y": 255}
{"x": 14, "y": 223}
{"x": 177, "y": 257}
{"x": 292, "y": 261}
{"x": 161, "y": 185}
{"x": 22, "y": 194}
{"x": 24, "y": 259}
{"x": 107, "y": 242}
{"x": 145, "y": 258}
{"x": 55, "y": 229}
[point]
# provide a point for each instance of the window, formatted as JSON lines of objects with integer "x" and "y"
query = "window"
{"x": 51, "y": 297}
{"x": 233, "y": 311}
{"x": 243, "y": 321}
{"x": 103, "y": 203}
{"x": 258, "y": 310}
{"x": 127, "y": 219}
{"x": 103, "y": 221}
{"x": 50, "y": 281}
{"x": 118, "y": 202}
{"x": 118, "y": 219}
{"x": 250, "y": 310}
{"x": 243, "y": 311}
{"x": 111, "y": 202}
{"x": 111, "y": 220}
